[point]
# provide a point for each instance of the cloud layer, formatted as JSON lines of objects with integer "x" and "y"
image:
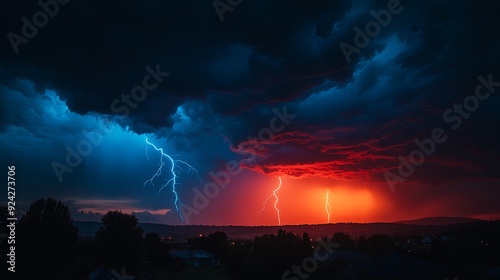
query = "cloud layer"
{"x": 353, "y": 120}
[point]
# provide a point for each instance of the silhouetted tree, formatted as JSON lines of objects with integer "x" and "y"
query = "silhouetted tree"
{"x": 46, "y": 238}
{"x": 239, "y": 260}
{"x": 218, "y": 244}
{"x": 380, "y": 244}
{"x": 306, "y": 240}
{"x": 156, "y": 251}
{"x": 153, "y": 243}
{"x": 119, "y": 240}
{"x": 361, "y": 244}
{"x": 215, "y": 243}
{"x": 275, "y": 254}
{"x": 306, "y": 244}
{"x": 343, "y": 239}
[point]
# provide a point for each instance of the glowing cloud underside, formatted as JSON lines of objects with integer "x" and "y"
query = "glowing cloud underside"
{"x": 173, "y": 180}
{"x": 328, "y": 208}
{"x": 276, "y": 199}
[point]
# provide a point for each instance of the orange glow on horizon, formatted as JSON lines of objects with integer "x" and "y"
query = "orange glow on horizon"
{"x": 324, "y": 203}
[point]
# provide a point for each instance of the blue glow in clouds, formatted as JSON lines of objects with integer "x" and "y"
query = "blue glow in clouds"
{"x": 173, "y": 180}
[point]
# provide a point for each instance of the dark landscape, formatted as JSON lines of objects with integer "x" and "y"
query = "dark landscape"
{"x": 426, "y": 226}
{"x": 250, "y": 139}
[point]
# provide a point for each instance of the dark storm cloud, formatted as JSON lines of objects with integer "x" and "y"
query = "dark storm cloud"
{"x": 93, "y": 51}
{"x": 426, "y": 60}
{"x": 352, "y": 118}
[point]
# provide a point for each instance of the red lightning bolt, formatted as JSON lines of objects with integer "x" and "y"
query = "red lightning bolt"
{"x": 327, "y": 205}
{"x": 276, "y": 199}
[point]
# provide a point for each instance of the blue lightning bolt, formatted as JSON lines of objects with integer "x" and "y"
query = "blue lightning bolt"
{"x": 276, "y": 199}
{"x": 172, "y": 180}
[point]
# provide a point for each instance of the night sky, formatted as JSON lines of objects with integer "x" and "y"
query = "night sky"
{"x": 292, "y": 91}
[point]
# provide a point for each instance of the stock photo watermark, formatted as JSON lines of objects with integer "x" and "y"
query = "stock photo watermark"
{"x": 11, "y": 218}
{"x": 453, "y": 116}
{"x": 222, "y": 7}
{"x": 111, "y": 275}
{"x": 362, "y": 38}
{"x": 221, "y": 179}
{"x": 122, "y": 106}
{"x": 39, "y": 19}
{"x": 310, "y": 264}
{"x": 122, "y": 276}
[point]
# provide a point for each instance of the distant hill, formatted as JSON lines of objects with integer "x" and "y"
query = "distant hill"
{"x": 441, "y": 221}
{"x": 426, "y": 226}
